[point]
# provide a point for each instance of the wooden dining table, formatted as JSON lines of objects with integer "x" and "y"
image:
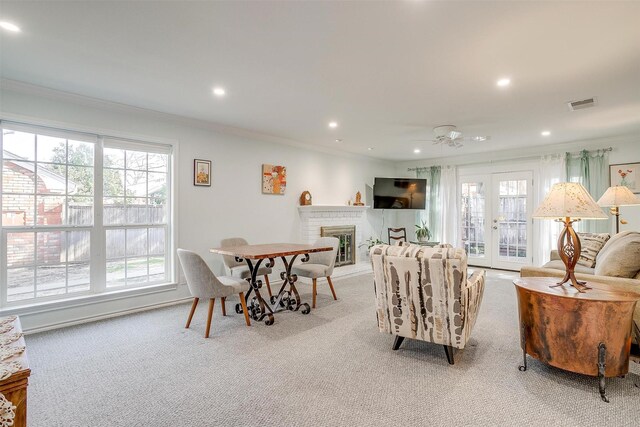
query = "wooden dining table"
{"x": 287, "y": 297}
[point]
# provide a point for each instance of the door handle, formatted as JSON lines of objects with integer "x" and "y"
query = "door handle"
{"x": 495, "y": 227}
{"x": 495, "y": 221}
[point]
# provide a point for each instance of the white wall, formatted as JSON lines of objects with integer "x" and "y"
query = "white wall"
{"x": 233, "y": 205}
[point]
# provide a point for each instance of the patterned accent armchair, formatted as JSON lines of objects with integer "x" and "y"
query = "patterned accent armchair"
{"x": 424, "y": 293}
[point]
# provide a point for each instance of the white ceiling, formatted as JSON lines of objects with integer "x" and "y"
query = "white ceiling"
{"x": 386, "y": 71}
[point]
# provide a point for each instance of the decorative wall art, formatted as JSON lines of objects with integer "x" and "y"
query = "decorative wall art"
{"x": 274, "y": 179}
{"x": 625, "y": 174}
{"x": 202, "y": 172}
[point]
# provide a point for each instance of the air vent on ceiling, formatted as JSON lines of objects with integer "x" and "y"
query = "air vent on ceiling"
{"x": 584, "y": 103}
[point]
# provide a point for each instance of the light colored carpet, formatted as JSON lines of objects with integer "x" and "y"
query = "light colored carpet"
{"x": 329, "y": 368}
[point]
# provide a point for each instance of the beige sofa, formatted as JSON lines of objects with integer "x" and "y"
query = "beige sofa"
{"x": 610, "y": 259}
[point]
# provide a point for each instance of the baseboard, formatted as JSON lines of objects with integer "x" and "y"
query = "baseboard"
{"x": 103, "y": 316}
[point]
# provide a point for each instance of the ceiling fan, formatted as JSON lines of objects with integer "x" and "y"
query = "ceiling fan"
{"x": 449, "y": 135}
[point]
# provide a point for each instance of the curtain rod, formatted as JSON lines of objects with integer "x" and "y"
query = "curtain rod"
{"x": 576, "y": 153}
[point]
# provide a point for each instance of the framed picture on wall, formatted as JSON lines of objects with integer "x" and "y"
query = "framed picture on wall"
{"x": 202, "y": 172}
{"x": 274, "y": 179}
{"x": 625, "y": 174}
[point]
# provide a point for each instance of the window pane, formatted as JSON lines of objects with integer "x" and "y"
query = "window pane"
{"x": 17, "y": 210}
{"x": 158, "y": 211}
{"x": 114, "y": 211}
{"x": 113, "y": 182}
{"x": 52, "y": 247}
{"x": 20, "y": 249}
{"x": 136, "y": 271}
{"x": 79, "y": 245}
{"x": 113, "y": 158}
{"x": 136, "y": 242}
{"x": 18, "y": 177}
{"x": 80, "y": 180}
{"x": 20, "y": 144}
{"x": 51, "y": 210}
{"x": 158, "y": 162}
{"x": 20, "y": 283}
{"x": 51, "y": 179}
{"x": 115, "y": 273}
{"x": 157, "y": 185}
{"x": 79, "y": 277}
{"x": 136, "y": 183}
{"x": 136, "y": 160}
{"x": 51, "y": 280}
{"x": 115, "y": 244}
{"x": 80, "y": 153}
{"x": 137, "y": 210}
{"x": 156, "y": 241}
{"x": 80, "y": 210}
{"x": 157, "y": 269}
{"x": 51, "y": 149}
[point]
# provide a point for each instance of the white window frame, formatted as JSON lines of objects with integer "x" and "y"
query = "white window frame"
{"x": 97, "y": 285}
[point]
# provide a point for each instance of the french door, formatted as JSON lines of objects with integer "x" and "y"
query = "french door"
{"x": 496, "y": 219}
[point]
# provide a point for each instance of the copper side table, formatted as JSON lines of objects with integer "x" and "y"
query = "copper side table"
{"x": 587, "y": 333}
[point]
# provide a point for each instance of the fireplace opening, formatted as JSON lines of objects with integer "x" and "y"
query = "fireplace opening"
{"x": 347, "y": 248}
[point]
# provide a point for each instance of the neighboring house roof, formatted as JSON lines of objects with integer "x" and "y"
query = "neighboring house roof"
{"x": 53, "y": 181}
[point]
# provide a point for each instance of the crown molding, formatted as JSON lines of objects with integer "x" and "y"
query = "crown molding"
{"x": 58, "y": 95}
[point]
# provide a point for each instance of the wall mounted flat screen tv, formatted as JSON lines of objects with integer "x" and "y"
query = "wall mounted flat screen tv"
{"x": 399, "y": 193}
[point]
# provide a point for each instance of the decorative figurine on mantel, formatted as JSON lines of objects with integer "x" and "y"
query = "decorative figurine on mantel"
{"x": 358, "y": 201}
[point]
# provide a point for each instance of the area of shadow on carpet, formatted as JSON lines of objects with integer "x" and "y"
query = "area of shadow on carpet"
{"x": 329, "y": 368}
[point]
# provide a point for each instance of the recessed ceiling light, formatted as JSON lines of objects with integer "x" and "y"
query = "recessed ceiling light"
{"x": 338, "y": 141}
{"x": 9, "y": 26}
{"x": 333, "y": 125}
{"x": 504, "y": 82}
{"x": 545, "y": 133}
{"x": 369, "y": 148}
{"x": 218, "y": 91}
{"x": 417, "y": 151}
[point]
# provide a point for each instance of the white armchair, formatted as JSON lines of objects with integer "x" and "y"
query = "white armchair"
{"x": 424, "y": 293}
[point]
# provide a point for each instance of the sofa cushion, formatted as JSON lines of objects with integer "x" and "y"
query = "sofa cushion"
{"x": 620, "y": 256}
{"x": 591, "y": 244}
{"x": 559, "y": 265}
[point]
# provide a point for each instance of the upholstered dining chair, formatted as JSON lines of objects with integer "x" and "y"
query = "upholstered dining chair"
{"x": 240, "y": 269}
{"x": 320, "y": 264}
{"x": 397, "y": 235}
{"x": 204, "y": 284}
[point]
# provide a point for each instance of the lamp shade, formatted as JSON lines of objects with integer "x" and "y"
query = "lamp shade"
{"x": 569, "y": 199}
{"x": 618, "y": 195}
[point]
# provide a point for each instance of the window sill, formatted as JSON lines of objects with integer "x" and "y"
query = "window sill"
{"x": 87, "y": 300}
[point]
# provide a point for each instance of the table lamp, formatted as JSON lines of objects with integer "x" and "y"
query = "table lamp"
{"x": 568, "y": 202}
{"x": 617, "y": 196}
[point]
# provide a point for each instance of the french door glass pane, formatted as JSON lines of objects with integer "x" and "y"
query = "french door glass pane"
{"x": 512, "y": 219}
{"x": 473, "y": 218}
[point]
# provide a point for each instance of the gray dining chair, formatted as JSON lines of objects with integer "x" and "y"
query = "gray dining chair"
{"x": 241, "y": 269}
{"x": 320, "y": 264}
{"x": 204, "y": 284}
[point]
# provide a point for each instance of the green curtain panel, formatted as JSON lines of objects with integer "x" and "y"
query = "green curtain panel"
{"x": 591, "y": 169}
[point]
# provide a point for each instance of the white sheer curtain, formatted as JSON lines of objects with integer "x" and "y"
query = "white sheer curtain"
{"x": 545, "y": 231}
{"x": 450, "y": 214}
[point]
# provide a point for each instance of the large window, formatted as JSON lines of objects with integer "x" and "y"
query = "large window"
{"x": 81, "y": 214}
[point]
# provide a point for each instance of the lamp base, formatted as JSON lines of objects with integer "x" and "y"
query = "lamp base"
{"x": 569, "y": 249}
{"x": 571, "y": 277}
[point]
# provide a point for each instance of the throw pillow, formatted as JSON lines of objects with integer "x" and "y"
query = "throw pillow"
{"x": 591, "y": 244}
{"x": 620, "y": 256}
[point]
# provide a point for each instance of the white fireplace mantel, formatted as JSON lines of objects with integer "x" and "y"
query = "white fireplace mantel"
{"x": 330, "y": 208}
